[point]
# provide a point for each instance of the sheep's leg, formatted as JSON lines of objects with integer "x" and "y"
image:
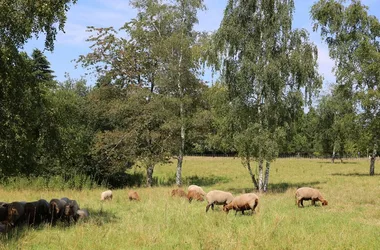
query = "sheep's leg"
{"x": 254, "y": 206}
{"x": 298, "y": 202}
{"x": 312, "y": 202}
{"x": 212, "y": 206}
{"x": 301, "y": 202}
{"x": 242, "y": 211}
{"x": 207, "y": 207}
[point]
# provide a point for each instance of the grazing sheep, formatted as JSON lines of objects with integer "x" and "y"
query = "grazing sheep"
{"x": 3, "y": 228}
{"x": 197, "y": 189}
{"x": 306, "y": 193}
{"x": 3, "y": 212}
{"x": 82, "y": 214}
{"x": 243, "y": 202}
{"x": 70, "y": 211}
{"x": 179, "y": 192}
{"x": 133, "y": 195}
{"x": 106, "y": 195}
{"x": 56, "y": 210}
{"x": 37, "y": 212}
{"x": 16, "y": 213}
{"x": 194, "y": 195}
{"x": 217, "y": 197}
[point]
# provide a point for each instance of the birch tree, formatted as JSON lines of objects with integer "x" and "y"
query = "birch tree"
{"x": 270, "y": 71}
{"x": 352, "y": 36}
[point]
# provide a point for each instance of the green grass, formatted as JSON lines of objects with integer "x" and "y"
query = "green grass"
{"x": 350, "y": 221}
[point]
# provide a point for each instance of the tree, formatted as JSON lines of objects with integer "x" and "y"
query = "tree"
{"x": 41, "y": 67}
{"x": 265, "y": 66}
{"x": 159, "y": 53}
{"x": 21, "y": 93}
{"x": 182, "y": 68}
{"x": 352, "y": 36}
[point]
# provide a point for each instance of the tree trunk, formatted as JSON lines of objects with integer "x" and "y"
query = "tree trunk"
{"x": 178, "y": 178}
{"x": 261, "y": 179}
{"x": 333, "y": 155}
{"x": 149, "y": 175}
{"x": 372, "y": 164}
{"x": 252, "y": 175}
{"x": 266, "y": 180}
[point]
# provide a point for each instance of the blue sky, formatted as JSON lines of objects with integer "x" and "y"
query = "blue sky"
{"x": 106, "y": 13}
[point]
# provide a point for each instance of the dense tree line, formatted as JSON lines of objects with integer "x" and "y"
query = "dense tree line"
{"x": 149, "y": 104}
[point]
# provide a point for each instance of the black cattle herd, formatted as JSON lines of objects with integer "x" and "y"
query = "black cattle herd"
{"x": 16, "y": 214}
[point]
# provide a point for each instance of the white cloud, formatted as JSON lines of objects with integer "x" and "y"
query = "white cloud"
{"x": 75, "y": 34}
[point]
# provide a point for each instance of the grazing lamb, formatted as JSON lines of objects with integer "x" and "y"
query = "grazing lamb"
{"x": 106, "y": 195}
{"x": 133, "y": 195}
{"x": 217, "y": 197}
{"x": 243, "y": 202}
{"x": 179, "y": 192}
{"x": 194, "y": 195}
{"x": 56, "y": 210}
{"x": 197, "y": 189}
{"x": 82, "y": 214}
{"x": 306, "y": 193}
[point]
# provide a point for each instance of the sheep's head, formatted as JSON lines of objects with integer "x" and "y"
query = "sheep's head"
{"x": 324, "y": 203}
{"x": 68, "y": 210}
{"x": 226, "y": 208}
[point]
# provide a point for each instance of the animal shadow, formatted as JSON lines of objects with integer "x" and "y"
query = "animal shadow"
{"x": 351, "y": 174}
{"x": 100, "y": 217}
{"x": 277, "y": 187}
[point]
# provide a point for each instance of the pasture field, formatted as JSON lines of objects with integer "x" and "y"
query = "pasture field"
{"x": 158, "y": 221}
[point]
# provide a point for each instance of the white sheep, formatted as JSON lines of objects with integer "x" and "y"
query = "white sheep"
{"x": 217, "y": 197}
{"x": 106, "y": 195}
{"x": 243, "y": 202}
{"x": 307, "y": 193}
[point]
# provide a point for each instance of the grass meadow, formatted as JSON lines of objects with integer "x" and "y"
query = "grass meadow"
{"x": 158, "y": 221}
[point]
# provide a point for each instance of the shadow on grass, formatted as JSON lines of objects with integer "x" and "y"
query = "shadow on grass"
{"x": 101, "y": 217}
{"x": 352, "y": 174}
{"x": 192, "y": 180}
{"x": 277, "y": 187}
{"x": 338, "y": 162}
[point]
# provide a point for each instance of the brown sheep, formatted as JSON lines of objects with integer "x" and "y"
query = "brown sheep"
{"x": 217, "y": 197}
{"x": 306, "y": 193}
{"x": 194, "y": 195}
{"x": 133, "y": 195}
{"x": 243, "y": 202}
{"x": 197, "y": 189}
{"x": 179, "y": 192}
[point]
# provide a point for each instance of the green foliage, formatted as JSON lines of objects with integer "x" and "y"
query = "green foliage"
{"x": 20, "y": 19}
{"x": 265, "y": 64}
{"x": 352, "y": 37}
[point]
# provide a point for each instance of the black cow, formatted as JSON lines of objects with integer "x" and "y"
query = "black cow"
{"x": 37, "y": 212}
